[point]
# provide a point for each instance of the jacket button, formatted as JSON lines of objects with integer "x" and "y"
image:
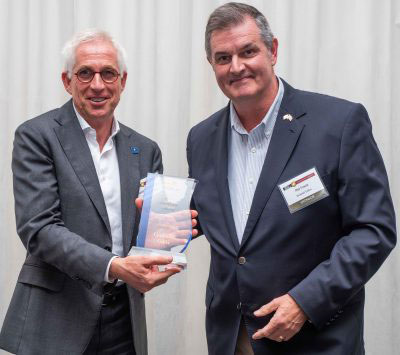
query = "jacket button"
{"x": 238, "y": 306}
{"x": 242, "y": 260}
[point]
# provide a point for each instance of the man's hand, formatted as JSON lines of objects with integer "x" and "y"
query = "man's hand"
{"x": 171, "y": 231}
{"x": 286, "y": 322}
{"x": 141, "y": 272}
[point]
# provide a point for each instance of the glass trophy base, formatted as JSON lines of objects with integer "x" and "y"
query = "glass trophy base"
{"x": 178, "y": 258}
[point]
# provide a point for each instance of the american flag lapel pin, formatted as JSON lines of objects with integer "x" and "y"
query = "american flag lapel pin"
{"x": 288, "y": 117}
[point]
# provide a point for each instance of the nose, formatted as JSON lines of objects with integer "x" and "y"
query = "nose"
{"x": 97, "y": 82}
{"x": 237, "y": 65}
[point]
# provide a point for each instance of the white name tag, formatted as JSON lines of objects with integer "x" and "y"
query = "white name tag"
{"x": 303, "y": 190}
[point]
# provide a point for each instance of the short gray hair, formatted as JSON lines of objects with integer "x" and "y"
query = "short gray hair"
{"x": 69, "y": 50}
{"x": 234, "y": 13}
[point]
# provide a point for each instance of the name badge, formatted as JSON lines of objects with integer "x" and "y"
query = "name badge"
{"x": 303, "y": 190}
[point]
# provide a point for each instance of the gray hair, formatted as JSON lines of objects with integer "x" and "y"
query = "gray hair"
{"x": 234, "y": 13}
{"x": 69, "y": 50}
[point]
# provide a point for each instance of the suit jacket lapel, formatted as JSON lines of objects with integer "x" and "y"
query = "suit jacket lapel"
{"x": 220, "y": 152}
{"x": 129, "y": 177}
{"x": 73, "y": 142}
{"x": 284, "y": 139}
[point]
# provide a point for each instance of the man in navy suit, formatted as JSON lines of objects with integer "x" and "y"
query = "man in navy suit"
{"x": 292, "y": 196}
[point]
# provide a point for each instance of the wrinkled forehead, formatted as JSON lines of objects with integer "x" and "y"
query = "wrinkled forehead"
{"x": 97, "y": 51}
{"x": 238, "y": 35}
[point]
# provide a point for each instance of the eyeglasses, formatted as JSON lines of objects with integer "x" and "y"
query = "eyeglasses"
{"x": 86, "y": 75}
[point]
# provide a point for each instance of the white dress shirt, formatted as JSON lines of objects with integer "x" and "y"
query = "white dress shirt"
{"x": 107, "y": 169}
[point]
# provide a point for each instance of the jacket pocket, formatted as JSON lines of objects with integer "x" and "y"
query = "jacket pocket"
{"x": 39, "y": 276}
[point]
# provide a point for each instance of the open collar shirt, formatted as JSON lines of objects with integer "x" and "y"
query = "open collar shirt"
{"x": 246, "y": 155}
{"x": 107, "y": 169}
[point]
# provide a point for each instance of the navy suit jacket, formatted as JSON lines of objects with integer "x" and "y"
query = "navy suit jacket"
{"x": 321, "y": 255}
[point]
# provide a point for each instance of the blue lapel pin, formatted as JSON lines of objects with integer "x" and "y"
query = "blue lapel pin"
{"x": 134, "y": 150}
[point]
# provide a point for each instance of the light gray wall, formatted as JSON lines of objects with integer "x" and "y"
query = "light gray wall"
{"x": 347, "y": 48}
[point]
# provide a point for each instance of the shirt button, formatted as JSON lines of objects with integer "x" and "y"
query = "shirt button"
{"x": 250, "y": 181}
{"x": 242, "y": 260}
{"x": 238, "y": 306}
{"x": 253, "y": 150}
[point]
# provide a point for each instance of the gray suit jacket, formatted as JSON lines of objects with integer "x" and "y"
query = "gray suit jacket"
{"x": 62, "y": 221}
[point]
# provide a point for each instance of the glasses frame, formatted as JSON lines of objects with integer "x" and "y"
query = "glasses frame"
{"x": 97, "y": 72}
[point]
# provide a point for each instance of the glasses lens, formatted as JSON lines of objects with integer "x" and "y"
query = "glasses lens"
{"x": 85, "y": 75}
{"x": 109, "y": 75}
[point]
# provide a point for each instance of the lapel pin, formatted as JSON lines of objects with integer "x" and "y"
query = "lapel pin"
{"x": 288, "y": 116}
{"x": 134, "y": 150}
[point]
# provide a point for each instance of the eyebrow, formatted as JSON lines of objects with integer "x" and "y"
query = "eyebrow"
{"x": 89, "y": 67}
{"x": 246, "y": 46}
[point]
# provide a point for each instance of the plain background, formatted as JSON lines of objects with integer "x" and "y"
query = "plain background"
{"x": 345, "y": 48}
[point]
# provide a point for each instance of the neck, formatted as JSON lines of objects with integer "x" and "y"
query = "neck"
{"x": 103, "y": 130}
{"x": 251, "y": 111}
{"x": 251, "y": 116}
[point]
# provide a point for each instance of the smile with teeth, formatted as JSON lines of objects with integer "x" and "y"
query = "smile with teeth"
{"x": 97, "y": 99}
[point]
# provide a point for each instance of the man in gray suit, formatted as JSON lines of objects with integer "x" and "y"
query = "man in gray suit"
{"x": 76, "y": 176}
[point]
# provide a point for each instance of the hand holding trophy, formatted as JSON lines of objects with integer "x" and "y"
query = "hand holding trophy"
{"x": 166, "y": 222}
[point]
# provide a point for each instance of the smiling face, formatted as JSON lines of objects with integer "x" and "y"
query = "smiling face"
{"x": 242, "y": 64}
{"x": 95, "y": 100}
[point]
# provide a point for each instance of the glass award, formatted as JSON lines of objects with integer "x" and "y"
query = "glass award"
{"x": 165, "y": 226}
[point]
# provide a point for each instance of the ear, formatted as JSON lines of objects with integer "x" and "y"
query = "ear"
{"x": 123, "y": 80}
{"x": 274, "y": 51}
{"x": 67, "y": 82}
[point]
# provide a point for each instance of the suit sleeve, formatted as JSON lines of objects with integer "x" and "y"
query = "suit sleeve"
{"x": 38, "y": 214}
{"x": 368, "y": 222}
{"x": 157, "y": 160}
{"x": 189, "y": 160}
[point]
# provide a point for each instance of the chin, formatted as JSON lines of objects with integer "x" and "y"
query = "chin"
{"x": 243, "y": 96}
{"x": 97, "y": 116}
{"x": 242, "y": 93}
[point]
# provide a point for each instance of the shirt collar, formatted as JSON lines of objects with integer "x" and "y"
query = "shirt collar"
{"x": 87, "y": 128}
{"x": 237, "y": 125}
